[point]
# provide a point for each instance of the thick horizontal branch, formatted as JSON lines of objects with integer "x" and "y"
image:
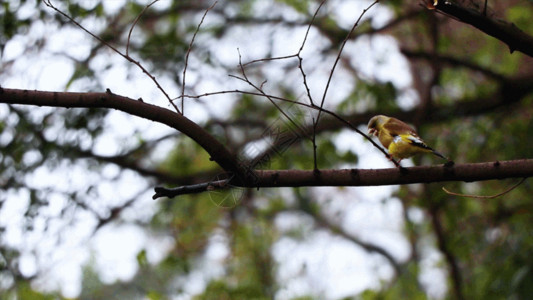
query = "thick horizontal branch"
{"x": 506, "y": 32}
{"x": 375, "y": 177}
{"x": 218, "y": 152}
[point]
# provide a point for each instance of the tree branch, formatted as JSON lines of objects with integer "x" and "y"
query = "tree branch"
{"x": 504, "y": 31}
{"x": 371, "y": 177}
{"x": 219, "y": 153}
{"x": 444, "y": 247}
{"x": 369, "y": 247}
{"x": 268, "y": 178}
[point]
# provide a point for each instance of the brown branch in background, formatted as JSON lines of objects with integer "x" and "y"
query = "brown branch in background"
{"x": 516, "y": 39}
{"x": 485, "y": 197}
{"x": 115, "y": 211}
{"x": 326, "y": 223}
{"x": 125, "y": 56}
{"x": 443, "y": 246}
{"x": 452, "y": 61}
{"x": 126, "y": 161}
{"x": 268, "y": 59}
{"x": 189, "y": 52}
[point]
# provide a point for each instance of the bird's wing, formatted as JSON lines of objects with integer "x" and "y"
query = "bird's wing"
{"x": 396, "y": 127}
{"x": 415, "y": 140}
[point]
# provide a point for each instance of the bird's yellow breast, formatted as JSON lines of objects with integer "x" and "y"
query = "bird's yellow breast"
{"x": 385, "y": 138}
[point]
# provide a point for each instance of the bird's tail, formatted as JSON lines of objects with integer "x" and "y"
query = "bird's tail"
{"x": 439, "y": 155}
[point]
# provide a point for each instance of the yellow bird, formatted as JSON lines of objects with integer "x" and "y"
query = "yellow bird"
{"x": 400, "y": 139}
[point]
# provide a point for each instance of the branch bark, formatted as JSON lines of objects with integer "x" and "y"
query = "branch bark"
{"x": 241, "y": 177}
{"x": 519, "y": 168}
{"x": 219, "y": 153}
{"x": 504, "y": 31}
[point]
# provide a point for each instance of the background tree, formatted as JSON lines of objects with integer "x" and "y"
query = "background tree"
{"x": 69, "y": 176}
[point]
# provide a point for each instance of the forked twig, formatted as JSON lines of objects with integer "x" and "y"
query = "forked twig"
{"x": 273, "y": 97}
{"x": 126, "y": 56}
{"x": 262, "y": 92}
{"x": 297, "y": 55}
{"x": 485, "y": 197}
{"x": 312, "y": 105}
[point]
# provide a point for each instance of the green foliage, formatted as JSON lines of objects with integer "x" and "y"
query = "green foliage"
{"x": 405, "y": 287}
{"x": 300, "y": 6}
{"x": 370, "y": 95}
{"x": 520, "y": 15}
{"x": 221, "y": 290}
{"x": 10, "y": 23}
{"x": 24, "y": 291}
{"x": 186, "y": 157}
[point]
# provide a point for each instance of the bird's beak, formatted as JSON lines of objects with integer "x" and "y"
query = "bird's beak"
{"x": 372, "y": 131}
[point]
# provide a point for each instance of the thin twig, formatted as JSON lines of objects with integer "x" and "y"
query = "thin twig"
{"x": 297, "y": 55}
{"x": 268, "y": 59}
{"x": 189, "y": 52}
{"x": 135, "y": 23}
{"x": 272, "y": 97}
{"x": 128, "y": 58}
{"x": 333, "y": 70}
{"x": 312, "y": 105}
{"x": 262, "y": 93}
{"x": 300, "y": 58}
{"x": 340, "y": 54}
{"x": 485, "y": 197}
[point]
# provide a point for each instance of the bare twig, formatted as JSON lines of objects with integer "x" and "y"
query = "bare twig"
{"x": 127, "y": 57}
{"x": 190, "y": 189}
{"x": 189, "y": 52}
{"x": 272, "y": 97}
{"x": 268, "y": 59}
{"x": 135, "y": 23}
{"x": 340, "y": 54}
{"x": 333, "y": 70}
{"x": 262, "y": 93}
{"x": 300, "y": 59}
{"x": 297, "y": 55}
{"x": 485, "y": 197}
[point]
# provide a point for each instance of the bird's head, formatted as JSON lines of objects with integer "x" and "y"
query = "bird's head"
{"x": 375, "y": 124}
